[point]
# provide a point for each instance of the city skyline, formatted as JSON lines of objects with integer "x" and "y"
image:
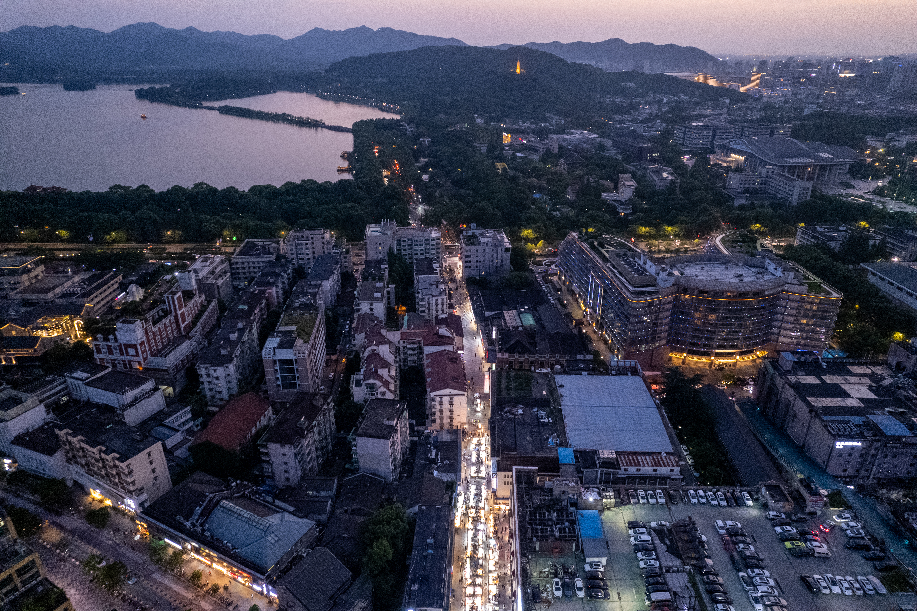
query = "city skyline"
{"x": 821, "y": 27}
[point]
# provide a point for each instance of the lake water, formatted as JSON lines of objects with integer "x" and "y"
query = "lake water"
{"x": 90, "y": 140}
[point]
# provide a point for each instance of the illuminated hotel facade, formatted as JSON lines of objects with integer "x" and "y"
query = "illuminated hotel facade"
{"x": 704, "y": 307}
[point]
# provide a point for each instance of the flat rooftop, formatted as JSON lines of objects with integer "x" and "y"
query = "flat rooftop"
{"x": 723, "y": 271}
{"x": 903, "y": 274}
{"x": 614, "y": 413}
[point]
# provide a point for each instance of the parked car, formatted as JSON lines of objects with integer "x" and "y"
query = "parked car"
{"x": 767, "y": 591}
{"x": 701, "y": 497}
{"x": 822, "y": 584}
{"x": 654, "y": 581}
{"x": 632, "y": 497}
{"x": 596, "y": 583}
{"x": 638, "y": 531}
{"x": 673, "y": 497}
{"x": 597, "y": 593}
{"x": 645, "y": 564}
{"x": 640, "y": 539}
{"x": 833, "y": 584}
{"x": 755, "y": 600}
{"x": 720, "y": 526}
{"x": 568, "y": 587}
{"x": 556, "y": 588}
{"x": 747, "y": 582}
{"x": 721, "y": 498}
{"x": 866, "y": 585}
{"x": 857, "y": 543}
{"x": 642, "y": 496}
{"x": 720, "y": 598}
{"x": 660, "y": 498}
{"x": 764, "y": 581}
{"x": 594, "y": 566}
{"x": 843, "y": 517}
{"x": 880, "y": 588}
{"x": 874, "y": 555}
{"x": 773, "y": 601}
{"x": 775, "y": 515}
{"x": 757, "y": 573}
{"x": 712, "y": 579}
{"x": 635, "y": 524}
{"x": 714, "y": 587}
{"x": 857, "y": 588}
{"x": 578, "y": 588}
{"x": 646, "y": 555}
{"x": 643, "y": 547}
{"x": 747, "y": 498}
{"x": 651, "y": 571}
{"x": 845, "y": 587}
{"x": 692, "y": 497}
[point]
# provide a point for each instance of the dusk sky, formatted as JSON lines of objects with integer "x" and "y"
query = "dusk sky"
{"x": 774, "y": 27}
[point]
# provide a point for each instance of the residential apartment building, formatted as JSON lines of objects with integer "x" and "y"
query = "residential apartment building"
{"x": 18, "y": 271}
{"x": 294, "y": 354}
{"x": 412, "y": 243}
{"x": 304, "y": 246}
{"x": 250, "y": 259}
{"x": 447, "y": 396}
{"x": 112, "y": 459}
{"x": 19, "y": 413}
{"x": 237, "y": 422}
{"x": 229, "y": 362}
{"x": 430, "y": 293}
{"x": 382, "y": 438}
{"x": 485, "y": 252}
{"x": 133, "y": 396}
{"x": 297, "y": 443}
{"x": 898, "y": 281}
{"x": 324, "y": 278}
{"x": 212, "y": 277}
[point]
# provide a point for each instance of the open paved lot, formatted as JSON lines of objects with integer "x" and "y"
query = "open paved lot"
{"x": 625, "y": 583}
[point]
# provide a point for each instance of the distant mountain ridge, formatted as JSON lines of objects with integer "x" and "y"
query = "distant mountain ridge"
{"x": 148, "y": 48}
{"x": 614, "y": 55}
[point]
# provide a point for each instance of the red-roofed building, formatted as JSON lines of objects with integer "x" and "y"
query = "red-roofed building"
{"x": 643, "y": 464}
{"x": 447, "y": 397}
{"x": 237, "y": 422}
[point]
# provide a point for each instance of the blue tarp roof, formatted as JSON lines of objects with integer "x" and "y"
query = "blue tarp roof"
{"x": 590, "y": 525}
{"x": 565, "y": 456}
{"x": 889, "y": 425}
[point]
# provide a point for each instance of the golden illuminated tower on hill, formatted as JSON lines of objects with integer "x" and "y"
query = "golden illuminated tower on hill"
{"x": 518, "y": 67}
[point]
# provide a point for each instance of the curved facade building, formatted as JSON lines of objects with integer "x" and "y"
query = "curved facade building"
{"x": 707, "y": 306}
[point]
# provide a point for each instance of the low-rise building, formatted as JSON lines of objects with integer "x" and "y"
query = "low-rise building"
{"x": 232, "y": 529}
{"x": 430, "y": 292}
{"x": 297, "y": 443}
{"x": 19, "y": 413}
{"x": 849, "y": 418}
{"x": 212, "y": 276}
{"x": 325, "y": 278}
{"x": 17, "y": 271}
{"x": 304, "y": 246}
{"x": 897, "y": 281}
{"x": 134, "y": 396}
{"x": 315, "y": 583}
{"x": 485, "y": 252}
{"x": 447, "y": 396}
{"x": 428, "y": 585}
{"x": 250, "y": 259}
{"x": 382, "y": 438}
{"x": 235, "y": 425}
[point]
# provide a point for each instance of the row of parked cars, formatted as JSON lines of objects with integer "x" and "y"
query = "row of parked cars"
{"x": 836, "y": 584}
{"x": 642, "y": 543}
{"x": 721, "y": 498}
{"x": 762, "y": 590}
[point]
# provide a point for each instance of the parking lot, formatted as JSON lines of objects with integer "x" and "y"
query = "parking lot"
{"x": 626, "y": 589}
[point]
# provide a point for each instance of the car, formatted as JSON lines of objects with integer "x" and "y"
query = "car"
{"x": 825, "y": 527}
{"x": 568, "y": 587}
{"x": 858, "y": 543}
{"x": 730, "y": 500}
{"x": 640, "y": 539}
{"x": 714, "y": 588}
{"x": 701, "y": 497}
{"x": 635, "y": 524}
{"x": 781, "y": 522}
{"x": 660, "y": 588}
{"x": 740, "y": 539}
{"x": 646, "y": 564}
{"x": 708, "y": 570}
{"x": 643, "y": 547}
{"x": 747, "y": 582}
{"x": 747, "y": 498}
{"x": 745, "y": 547}
{"x": 721, "y": 498}
{"x": 595, "y": 575}
{"x": 594, "y": 566}
{"x": 866, "y": 585}
{"x": 723, "y": 607}
{"x": 755, "y": 599}
{"x": 654, "y": 581}
{"x": 658, "y": 525}
{"x": 632, "y": 497}
{"x": 798, "y": 518}
{"x": 851, "y": 524}
{"x": 578, "y": 588}
{"x": 878, "y": 585}
{"x": 712, "y": 579}
{"x": 642, "y": 496}
{"x": 874, "y": 555}
{"x": 811, "y": 537}
{"x": 692, "y": 497}
{"x": 773, "y": 601}
{"x": 775, "y": 515}
{"x": 596, "y": 583}
{"x": 753, "y": 564}
{"x": 885, "y": 565}
{"x": 843, "y": 517}
{"x": 767, "y": 591}
{"x": 857, "y": 588}
{"x": 855, "y": 532}
{"x": 763, "y": 581}
{"x": 822, "y": 584}
{"x": 845, "y": 587}
{"x": 720, "y": 526}
{"x": 556, "y": 588}
{"x": 646, "y": 555}
{"x": 816, "y": 546}
{"x": 673, "y": 497}
{"x": 833, "y": 584}
{"x": 711, "y": 498}
{"x": 784, "y": 529}
{"x": 651, "y": 497}
{"x": 596, "y": 593}
{"x": 132, "y": 580}
{"x": 536, "y": 594}
{"x": 733, "y": 531}
{"x": 660, "y": 498}
{"x": 638, "y": 531}
{"x": 809, "y": 581}
{"x": 720, "y": 598}
{"x": 651, "y": 571}
{"x": 757, "y": 573}
{"x": 731, "y": 524}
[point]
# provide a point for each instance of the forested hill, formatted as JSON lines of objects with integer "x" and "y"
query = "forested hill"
{"x": 451, "y": 80}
